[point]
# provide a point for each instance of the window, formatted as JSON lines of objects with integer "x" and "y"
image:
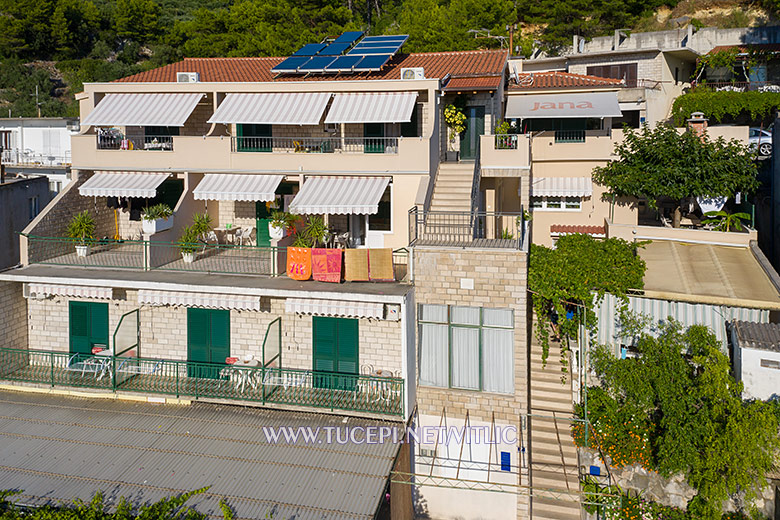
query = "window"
{"x": 34, "y": 206}
{"x": 556, "y": 203}
{"x": 410, "y": 128}
{"x": 382, "y": 220}
{"x": 55, "y": 186}
{"x": 161, "y": 130}
{"x": 624, "y": 71}
{"x": 469, "y": 348}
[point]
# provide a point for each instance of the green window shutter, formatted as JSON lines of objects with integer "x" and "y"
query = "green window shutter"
{"x": 347, "y": 361}
{"x": 98, "y": 324}
{"x": 220, "y": 336}
{"x": 325, "y": 337}
{"x": 79, "y": 328}
{"x": 198, "y": 325}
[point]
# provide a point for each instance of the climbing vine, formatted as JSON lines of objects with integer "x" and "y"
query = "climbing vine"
{"x": 724, "y": 105}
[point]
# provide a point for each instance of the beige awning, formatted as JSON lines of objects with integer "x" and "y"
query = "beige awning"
{"x": 374, "y": 107}
{"x": 334, "y": 308}
{"x": 123, "y": 184}
{"x": 143, "y": 110}
{"x": 340, "y": 196}
{"x": 562, "y": 187}
{"x": 293, "y": 108}
{"x": 42, "y": 290}
{"x": 204, "y": 300}
{"x": 233, "y": 186}
{"x": 563, "y": 105}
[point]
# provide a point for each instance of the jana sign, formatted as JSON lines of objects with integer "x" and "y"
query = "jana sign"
{"x": 568, "y": 105}
{"x": 562, "y": 106}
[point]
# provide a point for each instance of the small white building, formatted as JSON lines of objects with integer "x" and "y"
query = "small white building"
{"x": 757, "y": 358}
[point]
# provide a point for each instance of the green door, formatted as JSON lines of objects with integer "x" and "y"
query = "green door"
{"x": 208, "y": 341}
{"x": 475, "y": 127}
{"x": 335, "y": 352}
{"x": 262, "y": 218}
{"x": 254, "y": 138}
{"x": 375, "y": 137}
{"x": 88, "y": 326}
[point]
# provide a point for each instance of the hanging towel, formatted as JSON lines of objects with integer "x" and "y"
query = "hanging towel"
{"x": 326, "y": 265}
{"x": 380, "y": 265}
{"x": 356, "y": 265}
{"x": 299, "y": 263}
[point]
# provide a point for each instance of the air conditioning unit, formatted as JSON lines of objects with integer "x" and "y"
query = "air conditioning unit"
{"x": 187, "y": 77}
{"x": 413, "y": 73}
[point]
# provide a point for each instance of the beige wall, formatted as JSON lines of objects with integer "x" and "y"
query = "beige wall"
{"x": 13, "y": 317}
{"x": 632, "y": 232}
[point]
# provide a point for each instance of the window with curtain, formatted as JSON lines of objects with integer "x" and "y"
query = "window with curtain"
{"x": 469, "y": 348}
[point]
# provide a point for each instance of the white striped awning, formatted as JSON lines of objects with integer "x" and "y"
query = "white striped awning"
{"x": 122, "y": 184}
{"x": 374, "y": 107}
{"x": 339, "y": 196}
{"x": 562, "y": 187}
{"x": 234, "y": 186}
{"x": 291, "y": 108}
{"x": 335, "y": 308}
{"x": 206, "y": 301}
{"x": 43, "y": 290}
{"x": 143, "y": 110}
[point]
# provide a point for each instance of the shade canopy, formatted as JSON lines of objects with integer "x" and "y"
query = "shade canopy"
{"x": 374, "y": 107}
{"x": 202, "y": 300}
{"x": 563, "y": 106}
{"x": 230, "y": 186}
{"x": 287, "y": 108}
{"x": 143, "y": 110}
{"x": 340, "y": 196}
{"x": 562, "y": 187}
{"x": 44, "y": 290}
{"x": 334, "y": 308}
{"x": 122, "y": 184}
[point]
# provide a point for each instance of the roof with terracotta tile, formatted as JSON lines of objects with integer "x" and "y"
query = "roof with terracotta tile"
{"x": 568, "y": 230}
{"x": 435, "y": 64}
{"x": 758, "y": 47}
{"x": 474, "y": 83}
{"x": 558, "y": 79}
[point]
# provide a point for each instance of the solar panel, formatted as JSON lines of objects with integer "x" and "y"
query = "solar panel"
{"x": 291, "y": 64}
{"x": 334, "y": 49}
{"x": 374, "y": 50}
{"x": 310, "y": 49}
{"x": 372, "y": 62}
{"x": 349, "y": 37}
{"x": 378, "y": 44}
{"x": 344, "y": 63}
{"x": 386, "y": 38}
{"x": 317, "y": 64}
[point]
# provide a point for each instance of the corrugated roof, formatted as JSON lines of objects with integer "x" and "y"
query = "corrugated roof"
{"x": 761, "y": 336}
{"x": 435, "y": 64}
{"x": 474, "y": 83}
{"x": 57, "y": 449}
{"x": 569, "y": 230}
{"x": 558, "y": 79}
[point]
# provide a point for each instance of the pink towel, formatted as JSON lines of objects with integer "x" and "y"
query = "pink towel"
{"x": 326, "y": 265}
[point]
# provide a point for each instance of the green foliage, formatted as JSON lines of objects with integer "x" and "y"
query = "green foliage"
{"x": 201, "y": 223}
{"x": 681, "y": 383}
{"x": 455, "y": 119}
{"x": 726, "y": 58}
{"x": 725, "y": 106}
{"x": 313, "y": 233}
{"x": 574, "y": 277}
{"x": 82, "y": 227}
{"x": 157, "y": 211}
{"x": 285, "y": 220}
{"x": 659, "y": 161}
{"x": 725, "y": 221}
{"x": 188, "y": 241}
{"x": 74, "y": 26}
{"x": 136, "y": 19}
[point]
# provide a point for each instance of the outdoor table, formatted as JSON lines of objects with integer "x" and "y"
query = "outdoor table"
{"x": 224, "y": 232}
{"x": 243, "y": 378}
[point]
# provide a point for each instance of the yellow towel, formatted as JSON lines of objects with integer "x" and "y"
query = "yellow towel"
{"x": 356, "y": 265}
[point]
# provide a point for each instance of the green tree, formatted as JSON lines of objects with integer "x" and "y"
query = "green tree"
{"x": 426, "y": 23}
{"x": 700, "y": 427}
{"x": 659, "y": 161}
{"x": 74, "y": 26}
{"x": 136, "y": 20}
{"x": 25, "y": 28}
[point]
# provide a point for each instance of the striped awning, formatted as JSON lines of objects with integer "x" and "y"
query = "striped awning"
{"x": 291, "y": 108}
{"x": 334, "y": 308}
{"x": 206, "y": 301}
{"x": 122, "y": 184}
{"x": 375, "y": 107}
{"x": 339, "y": 196}
{"x": 143, "y": 110}
{"x": 233, "y": 186}
{"x": 43, "y": 290}
{"x": 562, "y": 187}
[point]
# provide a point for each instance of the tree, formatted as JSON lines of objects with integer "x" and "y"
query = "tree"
{"x": 659, "y": 161}
{"x": 136, "y": 20}
{"x": 74, "y": 26}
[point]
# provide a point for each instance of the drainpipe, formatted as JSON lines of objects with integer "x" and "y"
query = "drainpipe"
{"x": 2, "y": 166}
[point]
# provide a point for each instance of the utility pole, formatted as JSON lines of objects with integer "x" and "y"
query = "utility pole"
{"x": 37, "y": 103}
{"x": 511, "y": 29}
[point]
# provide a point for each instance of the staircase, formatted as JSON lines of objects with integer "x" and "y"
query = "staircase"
{"x": 452, "y": 191}
{"x": 552, "y": 454}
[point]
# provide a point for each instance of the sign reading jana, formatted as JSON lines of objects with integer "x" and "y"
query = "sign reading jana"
{"x": 563, "y": 105}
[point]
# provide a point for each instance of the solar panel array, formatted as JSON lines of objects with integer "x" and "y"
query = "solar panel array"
{"x": 367, "y": 55}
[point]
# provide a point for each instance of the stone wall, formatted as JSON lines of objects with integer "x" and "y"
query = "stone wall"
{"x": 649, "y": 66}
{"x": 13, "y": 318}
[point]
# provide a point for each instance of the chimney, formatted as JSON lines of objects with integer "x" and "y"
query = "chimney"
{"x": 698, "y": 124}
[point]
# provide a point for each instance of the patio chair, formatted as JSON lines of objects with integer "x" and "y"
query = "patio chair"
{"x": 247, "y": 234}
{"x": 209, "y": 238}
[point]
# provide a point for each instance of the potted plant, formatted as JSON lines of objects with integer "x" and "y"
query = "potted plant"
{"x": 157, "y": 218}
{"x": 188, "y": 244}
{"x": 201, "y": 223}
{"x": 82, "y": 228}
{"x": 725, "y": 221}
{"x": 281, "y": 223}
{"x": 314, "y": 233}
{"x": 456, "y": 125}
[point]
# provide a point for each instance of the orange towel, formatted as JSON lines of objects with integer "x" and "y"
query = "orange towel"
{"x": 326, "y": 265}
{"x": 299, "y": 263}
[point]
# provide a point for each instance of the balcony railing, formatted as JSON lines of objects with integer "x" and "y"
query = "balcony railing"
{"x": 146, "y": 142}
{"x": 505, "y": 142}
{"x": 570, "y": 136}
{"x": 466, "y": 229}
{"x": 356, "y": 145}
{"x": 739, "y": 86}
{"x": 263, "y": 385}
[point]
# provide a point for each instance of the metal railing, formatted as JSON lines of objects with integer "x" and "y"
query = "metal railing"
{"x": 505, "y": 142}
{"x": 284, "y": 386}
{"x": 100, "y": 253}
{"x": 739, "y": 86}
{"x": 30, "y": 158}
{"x": 218, "y": 258}
{"x": 146, "y": 142}
{"x": 570, "y": 136}
{"x": 379, "y": 145}
{"x": 466, "y": 229}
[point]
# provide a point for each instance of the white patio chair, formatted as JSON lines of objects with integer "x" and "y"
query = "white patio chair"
{"x": 245, "y": 234}
{"x": 209, "y": 238}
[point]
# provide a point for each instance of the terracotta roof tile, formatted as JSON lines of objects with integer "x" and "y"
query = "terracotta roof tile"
{"x": 568, "y": 230}
{"x": 558, "y": 79}
{"x": 474, "y": 83}
{"x": 759, "y": 47}
{"x": 436, "y": 65}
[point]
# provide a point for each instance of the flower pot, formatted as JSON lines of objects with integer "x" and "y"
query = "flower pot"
{"x": 452, "y": 156}
{"x": 151, "y": 227}
{"x": 82, "y": 251}
{"x": 188, "y": 256}
{"x": 275, "y": 232}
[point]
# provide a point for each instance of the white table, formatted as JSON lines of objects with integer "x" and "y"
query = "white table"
{"x": 224, "y": 232}
{"x": 244, "y": 378}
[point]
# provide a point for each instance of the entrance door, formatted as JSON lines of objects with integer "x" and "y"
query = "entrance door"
{"x": 208, "y": 341}
{"x": 475, "y": 127}
{"x": 335, "y": 352}
{"x": 88, "y": 326}
{"x": 375, "y": 137}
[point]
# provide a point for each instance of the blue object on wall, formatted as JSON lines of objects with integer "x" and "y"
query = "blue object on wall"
{"x": 595, "y": 471}
{"x": 506, "y": 461}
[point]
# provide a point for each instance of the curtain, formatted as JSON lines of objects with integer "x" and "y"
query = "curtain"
{"x": 497, "y": 363}
{"x": 434, "y": 355}
{"x": 465, "y": 315}
{"x": 465, "y": 358}
{"x": 436, "y": 313}
{"x": 497, "y": 318}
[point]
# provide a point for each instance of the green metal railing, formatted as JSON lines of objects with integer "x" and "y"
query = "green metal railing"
{"x": 219, "y": 258}
{"x": 264, "y": 385}
{"x": 101, "y": 253}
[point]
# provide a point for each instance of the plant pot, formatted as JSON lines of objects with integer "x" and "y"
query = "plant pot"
{"x": 151, "y": 227}
{"x": 452, "y": 155}
{"x": 82, "y": 251}
{"x": 188, "y": 256}
{"x": 275, "y": 232}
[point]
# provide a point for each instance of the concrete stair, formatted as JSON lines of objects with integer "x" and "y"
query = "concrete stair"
{"x": 552, "y": 454}
{"x": 452, "y": 191}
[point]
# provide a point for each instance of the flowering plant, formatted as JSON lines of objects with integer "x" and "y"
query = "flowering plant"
{"x": 455, "y": 119}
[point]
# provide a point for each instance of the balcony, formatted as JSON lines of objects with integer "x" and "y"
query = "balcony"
{"x": 467, "y": 229}
{"x": 738, "y": 86}
{"x": 505, "y": 151}
{"x": 320, "y": 145}
{"x": 145, "y": 142}
{"x": 578, "y": 145}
